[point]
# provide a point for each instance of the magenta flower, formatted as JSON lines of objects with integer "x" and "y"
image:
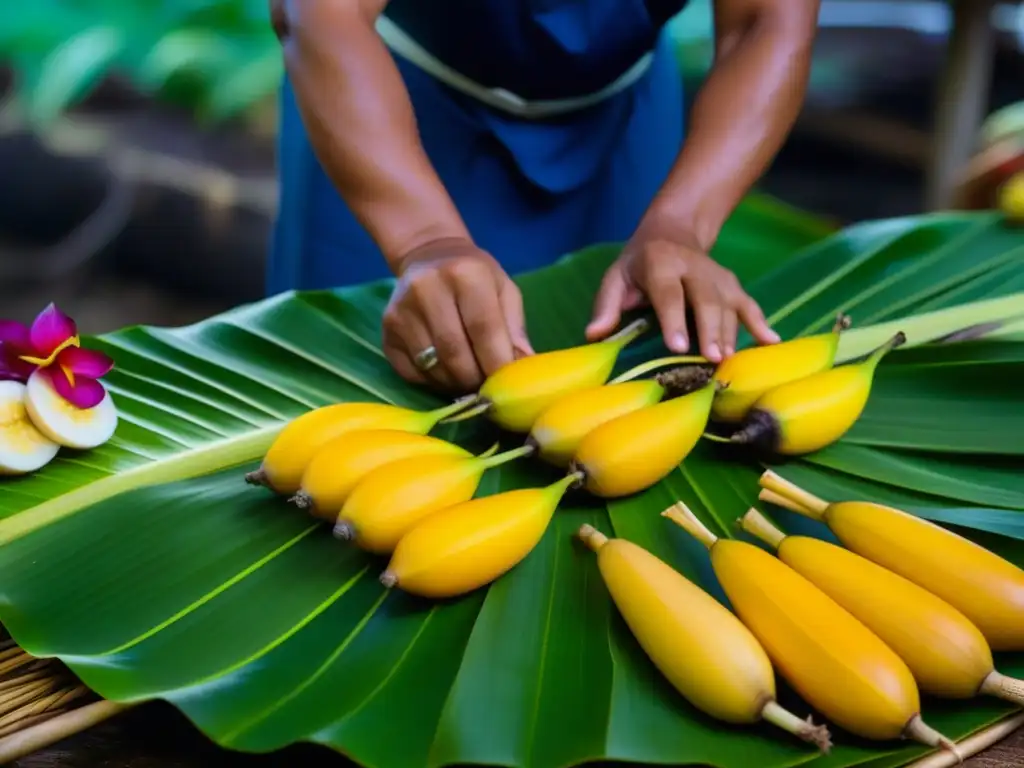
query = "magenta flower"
{"x": 51, "y": 345}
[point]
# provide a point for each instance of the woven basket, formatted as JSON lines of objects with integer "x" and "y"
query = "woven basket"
{"x": 41, "y": 703}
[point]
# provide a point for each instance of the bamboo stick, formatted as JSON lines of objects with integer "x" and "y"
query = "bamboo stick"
{"x": 28, "y": 740}
{"x": 973, "y": 744}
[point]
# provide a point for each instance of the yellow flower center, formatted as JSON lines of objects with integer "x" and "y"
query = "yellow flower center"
{"x": 48, "y": 361}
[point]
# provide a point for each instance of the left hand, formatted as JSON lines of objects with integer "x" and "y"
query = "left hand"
{"x": 667, "y": 267}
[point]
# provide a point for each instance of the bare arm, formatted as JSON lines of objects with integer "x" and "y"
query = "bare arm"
{"x": 743, "y": 112}
{"x": 360, "y": 122}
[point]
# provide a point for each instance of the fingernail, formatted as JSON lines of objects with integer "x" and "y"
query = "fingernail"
{"x": 729, "y": 351}
{"x": 714, "y": 353}
{"x": 773, "y": 336}
{"x": 680, "y": 343}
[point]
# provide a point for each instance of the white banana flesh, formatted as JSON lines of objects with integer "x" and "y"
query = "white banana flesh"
{"x": 23, "y": 448}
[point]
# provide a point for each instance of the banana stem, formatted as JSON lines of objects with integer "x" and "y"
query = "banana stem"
{"x": 683, "y": 516}
{"x": 817, "y": 735}
{"x": 918, "y": 730}
{"x": 716, "y": 438}
{"x": 1003, "y": 687}
{"x": 651, "y": 365}
{"x": 459, "y": 405}
{"x": 490, "y": 451}
{"x": 756, "y": 524}
{"x": 482, "y": 406}
{"x": 630, "y": 332}
{"x": 897, "y": 340}
{"x": 842, "y": 323}
{"x": 592, "y": 537}
{"x": 811, "y": 505}
{"x": 781, "y": 501}
{"x": 567, "y": 482}
{"x": 491, "y": 461}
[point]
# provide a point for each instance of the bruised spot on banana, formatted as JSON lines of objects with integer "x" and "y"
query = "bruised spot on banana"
{"x": 986, "y": 588}
{"x": 831, "y": 659}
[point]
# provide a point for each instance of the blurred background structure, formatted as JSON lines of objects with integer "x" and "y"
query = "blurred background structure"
{"x": 137, "y": 137}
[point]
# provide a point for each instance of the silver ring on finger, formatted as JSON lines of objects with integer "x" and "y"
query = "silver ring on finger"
{"x": 426, "y": 359}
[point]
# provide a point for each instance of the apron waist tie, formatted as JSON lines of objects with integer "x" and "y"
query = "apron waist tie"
{"x": 403, "y": 45}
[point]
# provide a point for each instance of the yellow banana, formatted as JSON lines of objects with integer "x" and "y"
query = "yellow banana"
{"x": 947, "y": 654}
{"x": 561, "y": 427}
{"x": 702, "y": 649}
{"x": 632, "y": 452}
{"x": 302, "y": 438}
{"x": 805, "y": 415}
{"x": 753, "y": 371}
{"x": 471, "y": 544}
{"x": 831, "y": 659}
{"x": 517, "y": 393}
{"x": 391, "y": 499}
{"x": 987, "y": 589}
{"x": 340, "y": 464}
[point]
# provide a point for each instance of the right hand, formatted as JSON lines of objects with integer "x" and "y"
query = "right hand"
{"x": 456, "y": 298}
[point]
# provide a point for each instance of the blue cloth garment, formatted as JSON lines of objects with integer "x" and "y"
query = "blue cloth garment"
{"x": 529, "y": 190}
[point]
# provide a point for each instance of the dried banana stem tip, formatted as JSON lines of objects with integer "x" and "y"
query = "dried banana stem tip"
{"x": 919, "y": 731}
{"x": 684, "y": 380}
{"x": 818, "y": 735}
{"x": 302, "y": 500}
{"x": 389, "y": 579}
{"x": 344, "y": 530}
{"x": 842, "y": 323}
{"x": 257, "y": 477}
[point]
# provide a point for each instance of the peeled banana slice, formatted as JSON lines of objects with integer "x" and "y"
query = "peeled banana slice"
{"x": 63, "y": 423}
{"x": 23, "y": 448}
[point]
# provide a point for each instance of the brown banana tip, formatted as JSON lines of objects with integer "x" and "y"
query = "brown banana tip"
{"x": 344, "y": 531}
{"x": 256, "y": 477}
{"x": 389, "y": 579}
{"x": 818, "y": 735}
{"x": 578, "y": 471}
{"x": 843, "y": 322}
{"x": 899, "y": 339}
{"x": 302, "y": 500}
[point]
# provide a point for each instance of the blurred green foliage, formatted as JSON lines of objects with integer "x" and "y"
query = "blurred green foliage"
{"x": 215, "y": 57}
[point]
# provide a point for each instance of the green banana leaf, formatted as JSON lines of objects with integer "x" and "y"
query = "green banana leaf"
{"x": 154, "y": 571}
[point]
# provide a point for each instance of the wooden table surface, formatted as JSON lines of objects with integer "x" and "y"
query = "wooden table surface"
{"x": 158, "y": 736}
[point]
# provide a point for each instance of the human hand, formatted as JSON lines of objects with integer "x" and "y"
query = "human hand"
{"x": 455, "y": 298}
{"x": 667, "y": 267}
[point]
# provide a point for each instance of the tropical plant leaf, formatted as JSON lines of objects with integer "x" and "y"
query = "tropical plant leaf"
{"x": 190, "y": 586}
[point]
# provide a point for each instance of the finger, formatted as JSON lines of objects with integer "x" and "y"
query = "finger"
{"x": 451, "y": 341}
{"x": 512, "y": 307}
{"x": 409, "y": 334}
{"x": 400, "y": 360}
{"x": 754, "y": 320}
{"x": 608, "y": 304}
{"x": 668, "y": 298}
{"x": 708, "y": 315}
{"x": 484, "y": 323}
{"x": 727, "y": 334}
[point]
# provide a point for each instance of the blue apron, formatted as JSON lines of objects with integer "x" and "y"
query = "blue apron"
{"x": 530, "y": 191}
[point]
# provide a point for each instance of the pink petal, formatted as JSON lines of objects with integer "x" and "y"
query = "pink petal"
{"x": 85, "y": 362}
{"x": 84, "y": 393}
{"x": 50, "y": 329}
{"x": 15, "y": 336}
{"x": 11, "y": 368}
